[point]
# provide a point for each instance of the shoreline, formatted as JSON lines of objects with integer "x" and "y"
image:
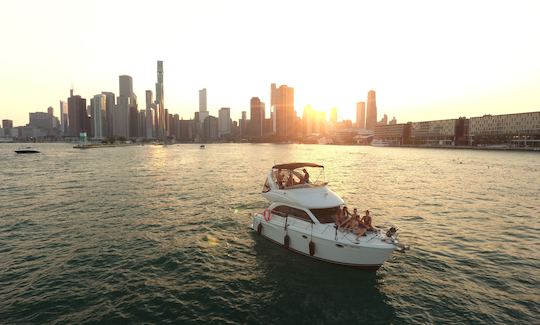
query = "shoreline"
{"x": 109, "y": 145}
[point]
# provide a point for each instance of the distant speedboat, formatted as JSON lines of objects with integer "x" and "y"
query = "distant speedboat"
{"x": 302, "y": 218}
{"x": 202, "y": 146}
{"x": 380, "y": 143}
{"x": 26, "y": 150}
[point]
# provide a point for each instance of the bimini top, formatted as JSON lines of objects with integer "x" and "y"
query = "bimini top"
{"x": 292, "y": 166}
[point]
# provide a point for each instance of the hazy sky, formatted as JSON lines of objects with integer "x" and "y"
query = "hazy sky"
{"x": 425, "y": 59}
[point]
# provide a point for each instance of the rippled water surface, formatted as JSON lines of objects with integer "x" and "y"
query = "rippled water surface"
{"x": 160, "y": 234}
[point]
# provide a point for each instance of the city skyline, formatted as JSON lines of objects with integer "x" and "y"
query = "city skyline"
{"x": 443, "y": 60}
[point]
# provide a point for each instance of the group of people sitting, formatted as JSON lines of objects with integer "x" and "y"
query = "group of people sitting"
{"x": 352, "y": 222}
{"x": 291, "y": 178}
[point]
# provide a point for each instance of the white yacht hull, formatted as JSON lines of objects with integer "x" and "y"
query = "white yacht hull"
{"x": 369, "y": 252}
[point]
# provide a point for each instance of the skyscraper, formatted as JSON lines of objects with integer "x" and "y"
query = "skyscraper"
{"x": 257, "y": 114}
{"x": 99, "y": 116}
{"x": 50, "y": 111}
{"x": 78, "y": 117}
{"x": 371, "y": 114}
{"x": 202, "y": 100}
{"x": 149, "y": 99}
{"x": 110, "y": 107}
{"x": 224, "y": 123}
{"x": 203, "y": 109}
{"x": 126, "y": 113}
{"x": 361, "y": 115}
{"x": 64, "y": 117}
{"x": 160, "y": 117}
{"x": 282, "y": 101}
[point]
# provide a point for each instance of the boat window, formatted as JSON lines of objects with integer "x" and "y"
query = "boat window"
{"x": 327, "y": 215}
{"x": 281, "y": 210}
{"x": 299, "y": 214}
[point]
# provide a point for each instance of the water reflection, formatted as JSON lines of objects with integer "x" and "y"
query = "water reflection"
{"x": 310, "y": 291}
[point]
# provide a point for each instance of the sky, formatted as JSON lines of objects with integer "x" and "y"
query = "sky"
{"x": 426, "y": 60}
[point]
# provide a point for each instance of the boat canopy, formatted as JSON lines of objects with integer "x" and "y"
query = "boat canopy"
{"x": 292, "y": 166}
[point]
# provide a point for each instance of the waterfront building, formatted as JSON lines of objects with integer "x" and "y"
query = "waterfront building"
{"x": 42, "y": 121}
{"x": 160, "y": 116}
{"x": 361, "y": 115}
{"x": 396, "y": 134}
{"x": 127, "y": 107}
{"x": 150, "y": 128}
{"x": 439, "y": 132}
{"x": 256, "y": 118}
{"x": 186, "y": 130}
{"x": 371, "y": 114}
{"x": 110, "y": 106}
{"x": 7, "y": 124}
{"x": 77, "y": 114}
{"x": 64, "y": 117}
{"x": 282, "y": 101}
{"x": 142, "y": 124}
{"x": 224, "y": 126}
{"x": 203, "y": 109}
{"x": 121, "y": 117}
{"x": 519, "y": 129}
{"x": 98, "y": 116}
{"x": 210, "y": 128}
{"x": 243, "y": 124}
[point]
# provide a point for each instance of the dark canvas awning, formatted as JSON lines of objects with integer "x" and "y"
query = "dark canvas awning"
{"x": 296, "y": 165}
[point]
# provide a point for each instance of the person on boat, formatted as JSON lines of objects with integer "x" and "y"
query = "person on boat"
{"x": 367, "y": 222}
{"x": 306, "y": 176}
{"x": 346, "y": 220}
{"x": 279, "y": 178}
{"x": 290, "y": 180}
{"x": 358, "y": 227}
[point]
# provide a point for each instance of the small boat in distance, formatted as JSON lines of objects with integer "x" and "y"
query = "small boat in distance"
{"x": 26, "y": 150}
{"x": 302, "y": 217}
{"x": 380, "y": 143}
{"x": 202, "y": 146}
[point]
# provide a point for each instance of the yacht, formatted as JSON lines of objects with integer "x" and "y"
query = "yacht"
{"x": 380, "y": 143}
{"x": 301, "y": 217}
{"x": 26, "y": 150}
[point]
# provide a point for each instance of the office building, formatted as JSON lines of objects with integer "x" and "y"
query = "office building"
{"x": 371, "y": 114}
{"x": 64, "y": 117}
{"x": 224, "y": 126}
{"x": 203, "y": 109}
{"x": 361, "y": 115}
{"x": 282, "y": 102}
{"x": 257, "y": 116}
{"x": 160, "y": 116}
{"x": 110, "y": 106}
{"x": 149, "y": 99}
{"x": 98, "y": 116}
{"x": 126, "y": 114}
{"x": 78, "y": 116}
{"x": 7, "y": 124}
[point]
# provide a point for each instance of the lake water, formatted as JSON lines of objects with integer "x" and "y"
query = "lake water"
{"x": 160, "y": 234}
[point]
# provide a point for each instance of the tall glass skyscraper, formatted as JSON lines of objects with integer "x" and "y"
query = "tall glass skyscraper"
{"x": 371, "y": 116}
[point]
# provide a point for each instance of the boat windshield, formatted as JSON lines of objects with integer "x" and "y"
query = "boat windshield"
{"x": 327, "y": 215}
{"x": 302, "y": 177}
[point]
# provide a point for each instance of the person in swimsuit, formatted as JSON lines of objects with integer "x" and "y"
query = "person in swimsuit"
{"x": 367, "y": 221}
{"x": 359, "y": 228}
